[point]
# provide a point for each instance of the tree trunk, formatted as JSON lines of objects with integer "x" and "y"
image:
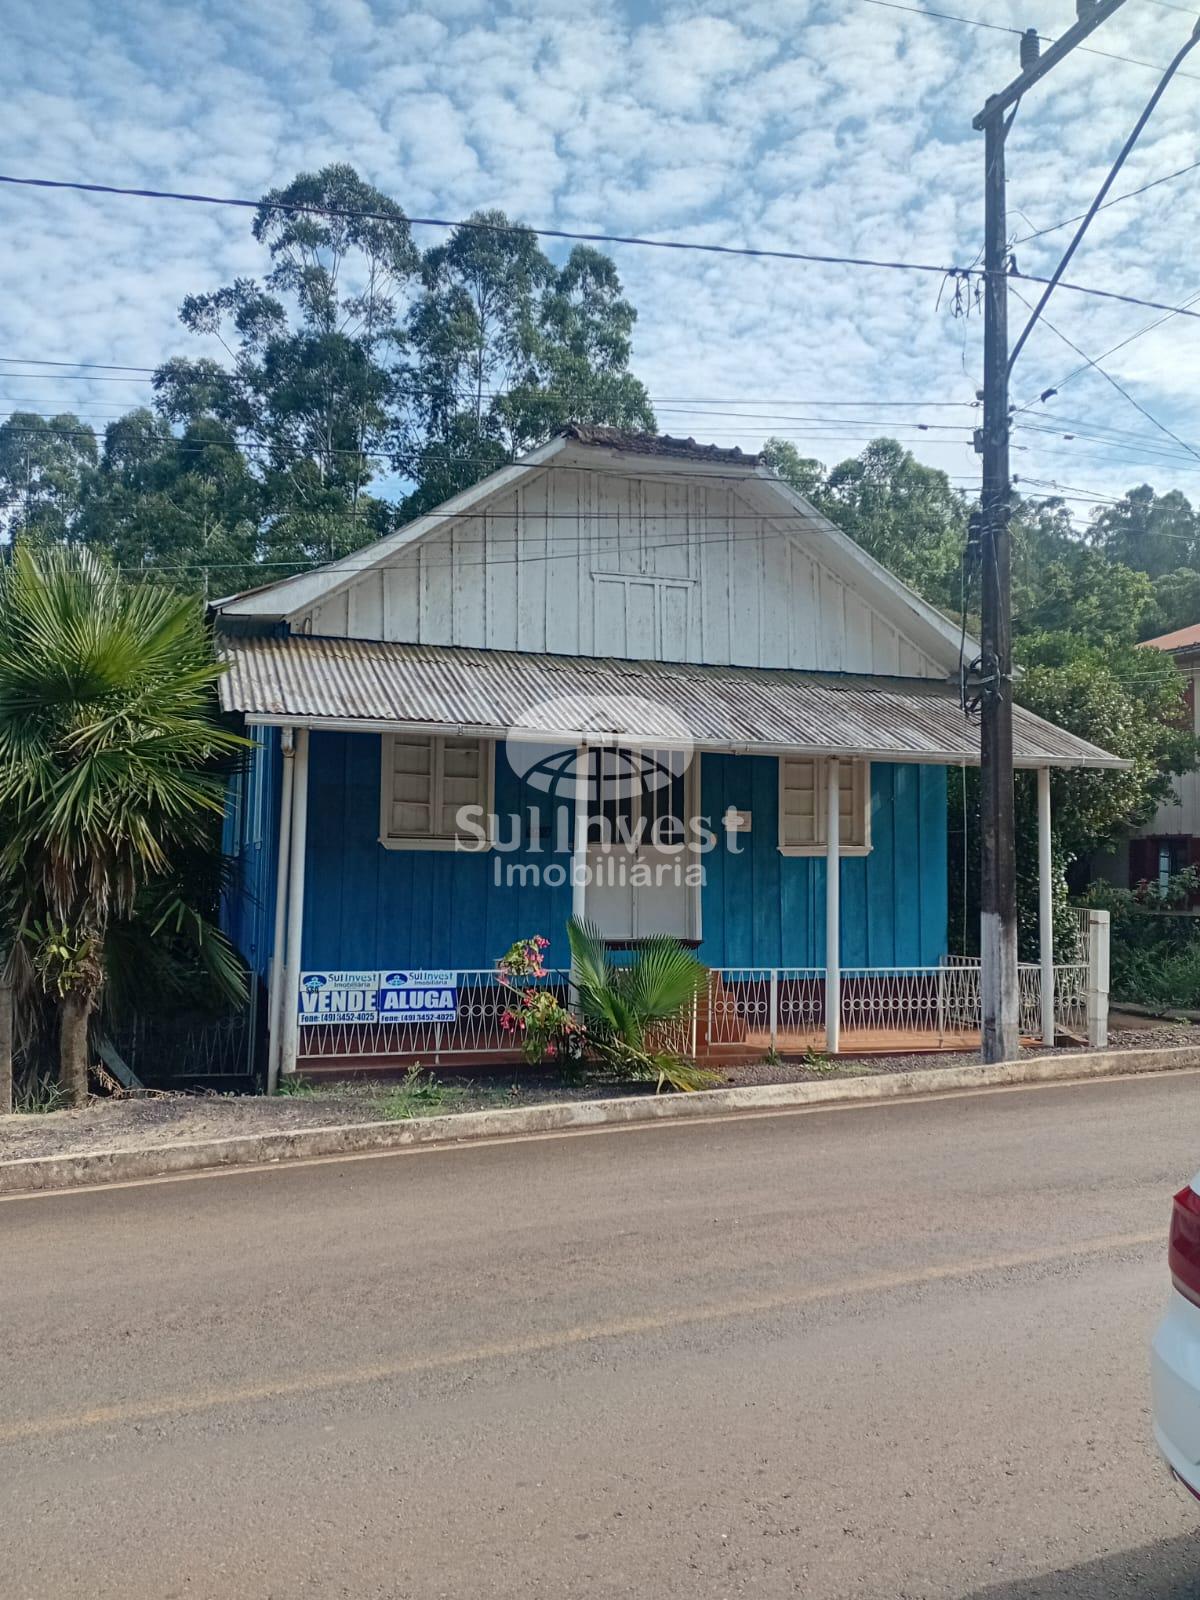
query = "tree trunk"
{"x": 73, "y": 1046}
{"x": 6, "y": 1049}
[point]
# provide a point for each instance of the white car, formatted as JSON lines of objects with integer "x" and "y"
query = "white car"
{"x": 1175, "y": 1353}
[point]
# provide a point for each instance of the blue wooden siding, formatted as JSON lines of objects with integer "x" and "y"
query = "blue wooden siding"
{"x": 250, "y": 841}
{"x": 763, "y": 909}
{"x": 366, "y": 906}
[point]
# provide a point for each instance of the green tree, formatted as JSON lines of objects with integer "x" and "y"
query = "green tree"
{"x": 183, "y": 505}
{"x": 1176, "y": 602}
{"x": 107, "y": 753}
{"x": 503, "y": 349}
{"x": 1154, "y": 533}
{"x": 44, "y": 465}
{"x": 311, "y": 391}
{"x": 802, "y": 473}
{"x": 907, "y": 515}
{"x": 1082, "y": 594}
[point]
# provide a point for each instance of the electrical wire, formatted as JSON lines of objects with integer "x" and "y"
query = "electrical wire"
{"x": 1130, "y": 194}
{"x": 472, "y": 223}
{"x": 1118, "y": 386}
{"x": 1160, "y": 89}
{"x": 1043, "y": 38}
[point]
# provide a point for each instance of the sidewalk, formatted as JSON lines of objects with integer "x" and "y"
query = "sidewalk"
{"x": 138, "y": 1138}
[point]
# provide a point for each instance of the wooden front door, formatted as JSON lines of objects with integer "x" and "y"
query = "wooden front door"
{"x": 638, "y": 836}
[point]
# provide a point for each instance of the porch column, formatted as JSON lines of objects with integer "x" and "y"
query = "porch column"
{"x": 579, "y": 837}
{"x": 295, "y": 919}
{"x": 833, "y": 910}
{"x": 1045, "y": 905}
{"x": 282, "y": 866}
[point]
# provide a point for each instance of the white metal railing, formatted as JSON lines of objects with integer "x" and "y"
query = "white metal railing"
{"x": 753, "y": 1008}
{"x": 758, "y": 1005}
{"x": 478, "y": 1031}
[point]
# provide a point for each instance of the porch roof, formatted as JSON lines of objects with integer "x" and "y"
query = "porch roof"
{"x": 367, "y": 686}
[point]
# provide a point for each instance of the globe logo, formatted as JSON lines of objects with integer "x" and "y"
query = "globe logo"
{"x": 634, "y": 746}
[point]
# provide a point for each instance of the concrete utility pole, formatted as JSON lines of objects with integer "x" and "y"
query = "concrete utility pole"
{"x": 998, "y": 889}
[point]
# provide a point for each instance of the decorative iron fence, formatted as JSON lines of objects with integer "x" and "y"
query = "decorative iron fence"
{"x": 194, "y": 1047}
{"x": 478, "y": 1033}
{"x": 740, "y": 1009}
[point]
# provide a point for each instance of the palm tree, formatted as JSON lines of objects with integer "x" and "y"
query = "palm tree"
{"x": 108, "y": 763}
{"x": 631, "y": 1012}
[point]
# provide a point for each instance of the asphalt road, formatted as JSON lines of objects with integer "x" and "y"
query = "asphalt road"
{"x": 887, "y": 1352}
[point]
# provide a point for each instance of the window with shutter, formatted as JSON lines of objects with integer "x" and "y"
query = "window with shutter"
{"x": 427, "y": 780}
{"x": 803, "y": 806}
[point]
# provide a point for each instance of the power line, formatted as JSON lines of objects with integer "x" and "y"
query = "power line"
{"x": 943, "y": 16}
{"x": 1147, "y": 111}
{"x": 715, "y": 400}
{"x": 1043, "y": 38}
{"x": 1119, "y": 387}
{"x": 477, "y": 224}
{"x": 1130, "y": 194}
{"x": 869, "y": 424}
{"x": 1104, "y": 354}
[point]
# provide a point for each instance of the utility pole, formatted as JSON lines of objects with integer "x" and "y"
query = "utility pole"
{"x": 997, "y": 859}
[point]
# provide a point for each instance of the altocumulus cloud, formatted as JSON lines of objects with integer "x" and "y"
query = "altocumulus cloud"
{"x": 835, "y": 126}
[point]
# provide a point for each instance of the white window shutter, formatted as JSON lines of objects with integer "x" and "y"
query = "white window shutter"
{"x": 799, "y": 808}
{"x": 426, "y": 780}
{"x": 411, "y": 793}
{"x": 804, "y": 802}
{"x": 461, "y": 769}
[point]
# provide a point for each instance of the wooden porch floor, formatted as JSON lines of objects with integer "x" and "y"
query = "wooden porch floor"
{"x": 854, "y": 1042}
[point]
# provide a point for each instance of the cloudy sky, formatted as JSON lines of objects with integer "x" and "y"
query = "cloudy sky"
{"x": 832, "y": 126}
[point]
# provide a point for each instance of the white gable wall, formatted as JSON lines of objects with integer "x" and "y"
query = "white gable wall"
{"x": 577, "y": 561}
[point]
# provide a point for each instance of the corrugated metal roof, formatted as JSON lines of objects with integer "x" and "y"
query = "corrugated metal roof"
{"x": 361, "y": 683}
{"x": 1181, "y": 639}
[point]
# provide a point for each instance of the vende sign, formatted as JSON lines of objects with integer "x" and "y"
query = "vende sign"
{"x": 390, "y": 995}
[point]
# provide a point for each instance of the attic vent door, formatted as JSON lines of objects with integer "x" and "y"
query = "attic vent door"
{"x": 642, "y": 618}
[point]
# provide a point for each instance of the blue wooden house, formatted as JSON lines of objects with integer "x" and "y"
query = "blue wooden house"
{"x": 629, "y": 677}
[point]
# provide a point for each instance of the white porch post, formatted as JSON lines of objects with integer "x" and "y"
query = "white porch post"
{"x": 295, "y": 919}
{"x": 579, "y": 838}
{"x": 1045, "y": 905}
{"x": 282, "y": 865}
{"x": 833, "y": 910}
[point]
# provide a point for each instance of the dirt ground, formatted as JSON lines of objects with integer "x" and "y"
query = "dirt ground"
{"x": 138, "y": 1121}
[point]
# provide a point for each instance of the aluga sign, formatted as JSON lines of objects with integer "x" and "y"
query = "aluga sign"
{"x": 385, "y": 996}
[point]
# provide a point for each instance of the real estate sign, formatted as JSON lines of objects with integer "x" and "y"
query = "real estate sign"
{"x": 391, "y": 995}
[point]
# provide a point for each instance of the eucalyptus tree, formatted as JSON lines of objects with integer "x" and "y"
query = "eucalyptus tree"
{"x": 310, "y": 387}
{"x": 45, "y": 463}
{"x": 502, "y": 348}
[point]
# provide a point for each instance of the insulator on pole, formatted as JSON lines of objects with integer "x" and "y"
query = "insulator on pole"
{"x": 1031, "y": 47}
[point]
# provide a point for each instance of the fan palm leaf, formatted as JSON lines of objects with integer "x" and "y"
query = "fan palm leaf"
{"x": 110, "y": 754}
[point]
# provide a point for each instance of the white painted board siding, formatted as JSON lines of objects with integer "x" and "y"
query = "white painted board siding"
{"x": 1181, "y": 815}
{"x": 578, "y": 562}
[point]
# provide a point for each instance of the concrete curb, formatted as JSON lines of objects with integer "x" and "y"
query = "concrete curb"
{"x": 41, "y": 1173}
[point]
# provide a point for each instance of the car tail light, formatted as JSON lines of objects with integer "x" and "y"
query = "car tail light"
{"x": 1183, "y": 1253}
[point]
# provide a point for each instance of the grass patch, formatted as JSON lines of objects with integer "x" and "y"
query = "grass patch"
{"x": 419, "y": 1094}
{"x": 34, "y": 1097}
{"x": 299, "y": 1089}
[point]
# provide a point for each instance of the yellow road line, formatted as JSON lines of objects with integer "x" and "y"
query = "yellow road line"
{"x": 314, "y": 1383}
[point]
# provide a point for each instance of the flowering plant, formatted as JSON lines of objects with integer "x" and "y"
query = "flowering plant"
{"x": 536, "y": 1018}
{"x": 525, "y": 959}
